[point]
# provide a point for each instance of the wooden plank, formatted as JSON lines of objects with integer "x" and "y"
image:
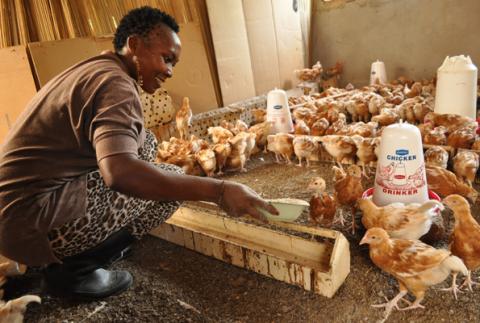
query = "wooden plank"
{"x": 317, "y": 266}
{"x": 17, "y": 86}
{"x": 52, "y": 57}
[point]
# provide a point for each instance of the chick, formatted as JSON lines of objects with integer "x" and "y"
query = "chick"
{"x": 436, "y": 136}
{"x": 281, "y": 145}
{"x": 183, "y": 118}
{"x": 462, "y": 138}
{"x": 420, "y": 110}
{"x": 237, "y": 158}
{"x": 310, "y": 74}
{"x": 261, "y": 131}
{"x": 322, "y": 205}
{"x": 375, "y": 104}
{"x": 415, "y": 265}
{"x": 305, "y": 147}
{"x": 338, "y": 127}
{"x": 319, "y": 127}
{"x": 365, "y": 151}
{"x": 301, "y": 128}
{"x": 465, "y": 238}
{"x": 386, "y": 117}
{"x": 348, "y": 189}
{"x": 222, "y": 150}
{"x": 259, "y": 115}
{"x": 365, "y": 130}
{"x": 400, "y": 221}
{"x": 187, "y": 162}
{"x": 13, "y": 311}
{"x": 444, "y": 183}
{"x": 235, "y": 128}
{"x": 219, "y": 134}
{"x": 339, "y": 147}
{"x": 251, "y": 144}
{"x": 465, "y": 165}
{"x": 197, "y": 144}
{"x": 436, "y": 156}
{"x": 476, "y": 144}
{"x": 206, "y": 159}
{"x": 451, "y": 121}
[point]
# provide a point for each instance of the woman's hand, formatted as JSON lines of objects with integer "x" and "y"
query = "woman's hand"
{"x": 238, "y": 200}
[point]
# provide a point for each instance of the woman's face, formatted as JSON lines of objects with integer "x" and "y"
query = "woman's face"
{"x": 157, "y": 54}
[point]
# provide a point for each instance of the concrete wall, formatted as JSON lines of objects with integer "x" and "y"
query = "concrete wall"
{"x": 412, "y": 37}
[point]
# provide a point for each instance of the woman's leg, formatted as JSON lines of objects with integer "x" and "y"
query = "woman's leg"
{"x": 109, "y": 211}
{"x": 91, "y": 241}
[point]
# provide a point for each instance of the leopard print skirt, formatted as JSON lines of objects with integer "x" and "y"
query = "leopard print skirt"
{"x": 109, "y": 211}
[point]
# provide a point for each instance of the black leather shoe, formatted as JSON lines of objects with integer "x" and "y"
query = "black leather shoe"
{"x": 102, "y": 283}
{"x": 83, "y": 276}
{"x": 96, "y": 284}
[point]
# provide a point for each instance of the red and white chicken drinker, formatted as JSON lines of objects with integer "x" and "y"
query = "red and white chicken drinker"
{"x": 400, "y": 173}
{"x": 278, "y": 112}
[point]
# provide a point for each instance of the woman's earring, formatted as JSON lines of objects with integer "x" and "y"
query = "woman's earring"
{"x": 139, "y": 76}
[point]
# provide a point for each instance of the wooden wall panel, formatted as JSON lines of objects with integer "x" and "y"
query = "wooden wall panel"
{"x": 17, "y": 86}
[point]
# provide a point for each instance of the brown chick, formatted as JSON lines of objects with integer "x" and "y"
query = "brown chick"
{"x": 420, "y": 110}
{"x": 386, "y": 117}
{"x": 415, "y": 265}
{"x": 13, "y": 311}
{"x": 259, "y": 115}
{"x": 322, "y": 205}
{"x": 436, "y": 136}
{"x": 451, "y": 121}
{"x": 465, "y": 238}
{"x": 187, "y": 162}
{"x": 476, "y": 144}
{"x": 361, "y": 109}
{"x": 338, "y": 127}
{"x": 414, "y": 91}
{"x": 436, "y": 156}
{"x": 219, "y": 134}
{"x": 261, "y": 131}
{"x": 281, "y": 144}
{"x": 366, "y": 130}
{"x": 198, "y": 144}
{"x": 305, "y": 147}
{"x": 206, "y": 159}
{"x": 183, "y": 118}
{"x": 310, "y": 74}
{"x": 465, "y": 165}
{"x": 237, "y": 158}
{"x": 462, "y": 138}
{"x": 319, "y": 127}
{"x": 349, "y": 190}
{"x": 222, "y": 151}
{"x": 301, "y": 128}
{"x": 339, "y": 147}
{"x": 401, "y": 221}
{"x": 444, "y": 183}
{"x": 365, "y": 151}
{"x": 251, "y": 144}
{"x": 234, "y": 128}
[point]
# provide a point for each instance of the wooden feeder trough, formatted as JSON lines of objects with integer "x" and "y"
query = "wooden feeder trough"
{"x": 318, "y": 263}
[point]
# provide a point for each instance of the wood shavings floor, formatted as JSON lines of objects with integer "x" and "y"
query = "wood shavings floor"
{"x": 173, "y": 284}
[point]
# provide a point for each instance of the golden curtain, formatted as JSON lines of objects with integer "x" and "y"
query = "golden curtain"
{"x": 23, "y": 21}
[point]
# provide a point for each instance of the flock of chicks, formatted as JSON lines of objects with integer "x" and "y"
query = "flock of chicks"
{"x": 392, "y": 236}
{"x": 347, "y": 124}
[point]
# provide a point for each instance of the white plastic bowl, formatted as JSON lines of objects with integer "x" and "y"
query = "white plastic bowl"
{"x": 289, "y": 209}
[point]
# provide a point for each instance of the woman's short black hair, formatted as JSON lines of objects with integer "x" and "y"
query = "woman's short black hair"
{"x": 141, "y": 21}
